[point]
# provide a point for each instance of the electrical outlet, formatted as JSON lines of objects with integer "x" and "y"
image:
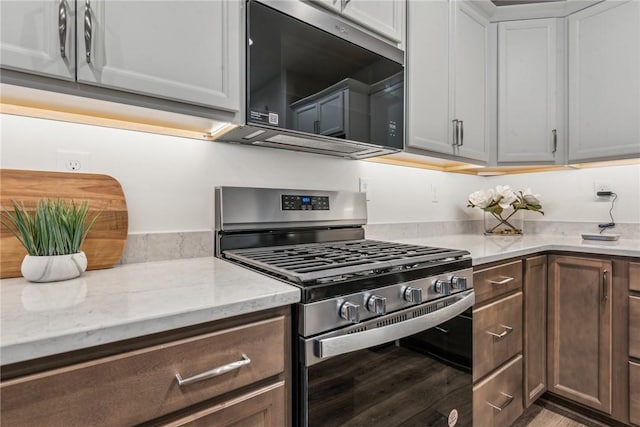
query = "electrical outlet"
{"x": 73, "y": 161}
{"x": 434, "y": 193}
{"x": 363, "y": 185}
{"x": 601, "y": 186}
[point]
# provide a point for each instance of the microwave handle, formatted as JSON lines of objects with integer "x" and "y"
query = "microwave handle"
{"x": 342, "y": 344}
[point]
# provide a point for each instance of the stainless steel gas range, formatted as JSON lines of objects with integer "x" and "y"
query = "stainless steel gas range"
{"x": 384, "y": 332}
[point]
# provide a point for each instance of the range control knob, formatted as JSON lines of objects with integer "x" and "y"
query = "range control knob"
{"x": 459, "y": 283}
{"x": 377, "y": 304}
{"x": 411, "y": 294}
{"x": 350, "y": 311}
{"x": 442, "y": 287}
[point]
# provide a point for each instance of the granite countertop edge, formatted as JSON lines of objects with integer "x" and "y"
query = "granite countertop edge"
{"x": 128, "y": 301}
{"x": 135, "y": 300}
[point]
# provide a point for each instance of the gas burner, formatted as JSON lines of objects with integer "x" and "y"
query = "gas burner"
{"x": 323, "y": 261}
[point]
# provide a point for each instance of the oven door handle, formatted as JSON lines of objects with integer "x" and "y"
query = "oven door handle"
{"x": 342, "y": 344}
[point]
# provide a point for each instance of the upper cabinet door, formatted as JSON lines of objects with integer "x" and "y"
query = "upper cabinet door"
{"x": 187, "y": 51}
{"x": 38, "y": 37}
{"x": 382, "y": 16}
{"x": 471, "y": 77}
{"x": 428, "y": 111}
{"x": 604, "y": 81}
{"x": 529, "y": 85}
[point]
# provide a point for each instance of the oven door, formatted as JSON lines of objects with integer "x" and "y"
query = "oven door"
{"x": 419, "y": 377}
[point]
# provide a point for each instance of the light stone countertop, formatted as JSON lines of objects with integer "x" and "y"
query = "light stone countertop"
{"x": 127, "y": 301}
{"x": 485, "y": 249}
{"x": 132, "y": 300}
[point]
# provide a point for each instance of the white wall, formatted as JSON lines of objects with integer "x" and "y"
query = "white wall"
{"x": 570, "y": 195}
{"x": 169, "y": 181}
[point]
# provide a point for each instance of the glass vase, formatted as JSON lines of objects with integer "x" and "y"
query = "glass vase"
{"x": 509, "y": 223}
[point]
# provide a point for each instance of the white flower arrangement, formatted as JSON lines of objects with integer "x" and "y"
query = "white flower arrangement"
{"x": 496, "y": 201}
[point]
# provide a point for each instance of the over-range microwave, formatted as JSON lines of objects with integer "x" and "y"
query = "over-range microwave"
{"x": 315, "y": 83}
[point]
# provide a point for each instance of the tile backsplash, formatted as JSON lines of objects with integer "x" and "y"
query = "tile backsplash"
{"x": 145, "y": 247}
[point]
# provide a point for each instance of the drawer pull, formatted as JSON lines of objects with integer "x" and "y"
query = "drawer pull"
{"x": 502, "y": 282}
{"x": 214, "y": 372}
{"x": 506, "y": 403}
{"x": 507, "y": 331}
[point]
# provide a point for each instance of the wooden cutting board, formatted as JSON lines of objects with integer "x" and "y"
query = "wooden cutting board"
{"x": 106, "y": 240}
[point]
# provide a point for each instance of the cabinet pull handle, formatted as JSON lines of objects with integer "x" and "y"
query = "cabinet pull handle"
{"x": 506, "y": 403}
{"x": 605, "y": 285}
{"x": 213, "y": 372}
{"x": 555, "y": 141}
{"x": 501, "y": 282}
{"x": 62, "y": 28}
{"x": 443, "y": 330}
{"x": 461, "y": 133}
{"x": 455, "y": 131}
{"x": 507, "y": 331}
{"x": 88, "y": 30}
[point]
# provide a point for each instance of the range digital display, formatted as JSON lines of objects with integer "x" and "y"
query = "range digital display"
{"x": 304, "y": 203}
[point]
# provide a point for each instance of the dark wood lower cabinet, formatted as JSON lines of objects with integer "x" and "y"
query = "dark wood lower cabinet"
{"x": 634, "y": 327}
{"x": 497, "y": 400}
{"x": 497, "y": 345}
{"x": 261, "y": 408}
{"x": 497, "y": 334}
{"x": 534, "y": 379}
{"x": 140, "y": 386}
{"x": 634, "y": 393}
{"x": 580, "y": 330}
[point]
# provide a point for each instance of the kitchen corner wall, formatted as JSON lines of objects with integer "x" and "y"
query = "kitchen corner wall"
{"x": 169, "y": 181}
{"x": 570, "y": 195}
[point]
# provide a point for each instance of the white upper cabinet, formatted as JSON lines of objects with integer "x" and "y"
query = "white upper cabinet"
{"x": 447, "y": 79}
{"x": 38, "y": 37}
{"x": 384, "y": 17}
{"x": 530, "y": 88}
{"x": 180, "y": 50}
{"x": 428, "y": 119}
{"x": 470, "y": 85}
{"x": 381, "y": 16}
{"x": 604, "y": 81}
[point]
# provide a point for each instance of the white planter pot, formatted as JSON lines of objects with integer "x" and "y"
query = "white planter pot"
{"x": 53, "y": 268}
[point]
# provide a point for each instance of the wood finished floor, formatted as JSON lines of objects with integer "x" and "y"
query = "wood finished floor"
{"x": 538, "y": 416}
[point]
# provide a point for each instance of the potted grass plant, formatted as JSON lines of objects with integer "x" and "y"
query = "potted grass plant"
{"x": 52, "y": 234}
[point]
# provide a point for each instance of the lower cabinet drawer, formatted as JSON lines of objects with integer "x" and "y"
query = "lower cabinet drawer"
{"x": 261, "y": 408}
{"x": 497, "y": 400}
{"x": 497, "y": 334}
{"x": 634, "y": 393}
{"x": 499, "y": 280}
{"x": 141, "y": 385}
{"x": 634, "y": 327}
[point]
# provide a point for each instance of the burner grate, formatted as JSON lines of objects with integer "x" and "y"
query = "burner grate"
{"x": 307, "y": 262}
